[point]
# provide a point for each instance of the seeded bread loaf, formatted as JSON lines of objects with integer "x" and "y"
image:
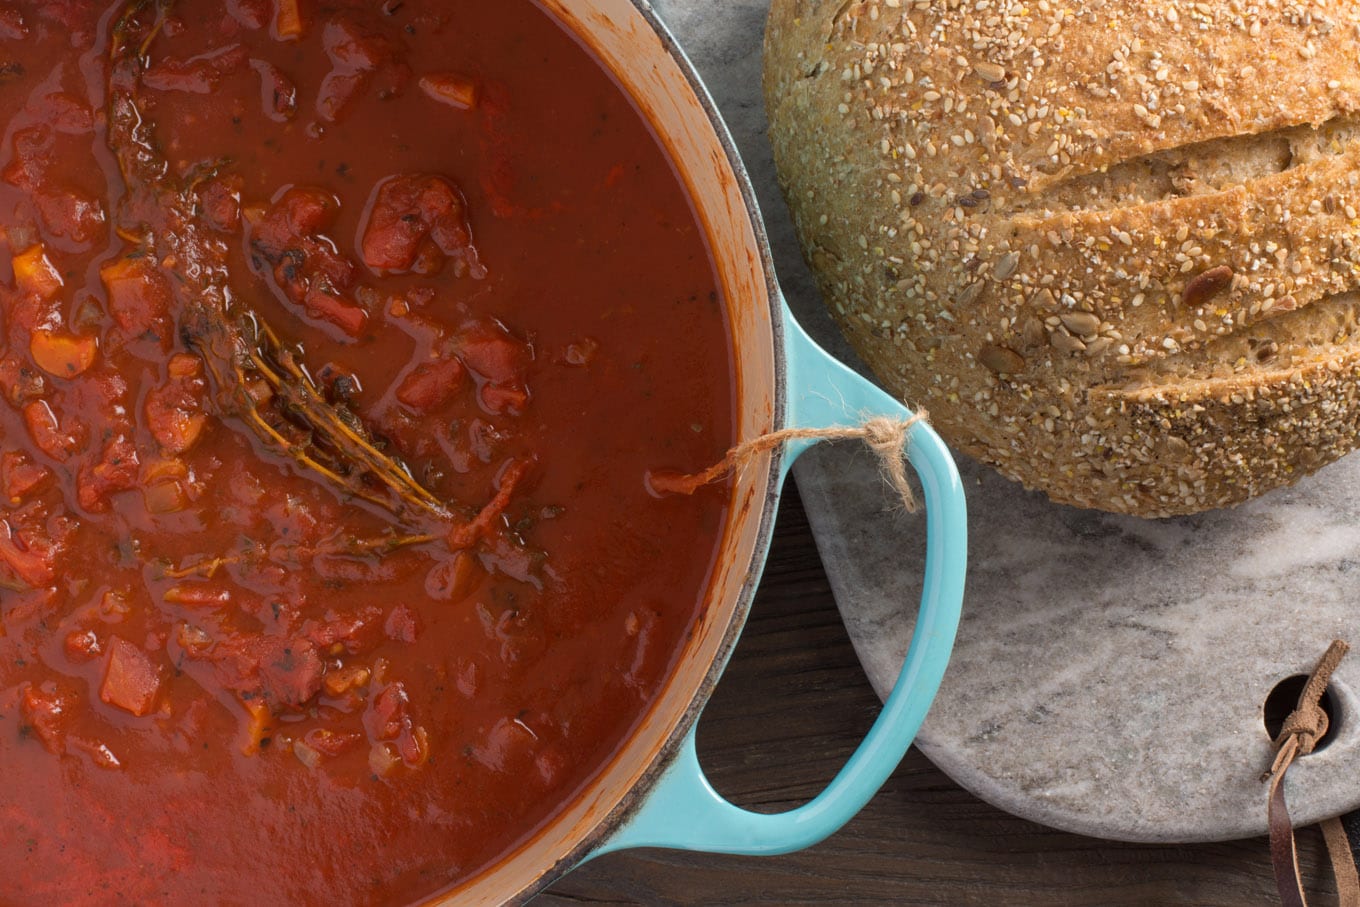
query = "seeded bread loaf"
{"x": 1113, "y": 247}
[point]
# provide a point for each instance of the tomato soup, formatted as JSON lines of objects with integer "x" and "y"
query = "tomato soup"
{"x": 336, "y": 342}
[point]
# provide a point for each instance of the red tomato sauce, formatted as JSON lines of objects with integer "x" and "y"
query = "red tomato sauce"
{"x": 244, "y": 239}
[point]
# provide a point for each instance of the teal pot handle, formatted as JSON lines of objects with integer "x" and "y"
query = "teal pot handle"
{"x": 683, "y": 811}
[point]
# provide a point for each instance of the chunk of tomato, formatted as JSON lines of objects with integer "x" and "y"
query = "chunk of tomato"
{"x": 416, "y": 222}
{"x": 131, "y": 680}
{"x": 430, "y": 384}
{"x": 46, "y": 710}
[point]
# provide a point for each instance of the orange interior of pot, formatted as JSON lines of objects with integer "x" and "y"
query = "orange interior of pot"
{"x": 624, "y": 41}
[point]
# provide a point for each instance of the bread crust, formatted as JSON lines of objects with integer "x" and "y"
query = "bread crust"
{"x": 1112, "y": 246}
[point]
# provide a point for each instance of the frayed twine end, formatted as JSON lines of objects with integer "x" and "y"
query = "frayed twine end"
{"x": 885, "y": 436}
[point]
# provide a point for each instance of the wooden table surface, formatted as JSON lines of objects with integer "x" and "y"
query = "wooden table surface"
{"x": 790, "y": 710}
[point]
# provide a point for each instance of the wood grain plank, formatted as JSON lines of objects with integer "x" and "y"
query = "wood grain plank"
{"x": 790, "y": 710}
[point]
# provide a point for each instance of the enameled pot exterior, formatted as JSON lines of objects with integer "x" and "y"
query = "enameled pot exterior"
{"x": 653, "y": 792}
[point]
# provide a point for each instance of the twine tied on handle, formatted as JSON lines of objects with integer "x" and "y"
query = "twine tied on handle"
{"x": 885, "y": 436}
{"x": 1302, "y": 730}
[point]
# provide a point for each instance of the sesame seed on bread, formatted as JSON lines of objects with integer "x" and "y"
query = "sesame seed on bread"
{"x": 1113, "y": 247}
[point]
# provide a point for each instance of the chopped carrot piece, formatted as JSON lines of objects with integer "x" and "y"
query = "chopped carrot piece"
{"x": 259, "y": 726}
{"x": 34, "y": 273}
{"x": 450, "y": 88}
{"x": 63, "y": 355}
{"x": 342, "y": 680}
{"x": 182, "y": 365}
{"x": 288, "y": 22}
{"x": 131, "y": 681}
{"x": 176, "y": 428}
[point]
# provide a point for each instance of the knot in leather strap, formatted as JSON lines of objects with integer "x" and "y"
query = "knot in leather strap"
{"x": 1308, "y": 723}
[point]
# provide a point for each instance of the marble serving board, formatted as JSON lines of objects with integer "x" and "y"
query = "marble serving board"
{"x": 1110, "y": 672}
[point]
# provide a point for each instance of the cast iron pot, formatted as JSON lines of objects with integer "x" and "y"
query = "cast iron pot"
{"x": 654, "y": 793}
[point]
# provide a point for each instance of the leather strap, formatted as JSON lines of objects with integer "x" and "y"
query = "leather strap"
{"x": 1304, "y": 727}
{"x": 1284, "y": 854}
{"x": 1343, "y": 862}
